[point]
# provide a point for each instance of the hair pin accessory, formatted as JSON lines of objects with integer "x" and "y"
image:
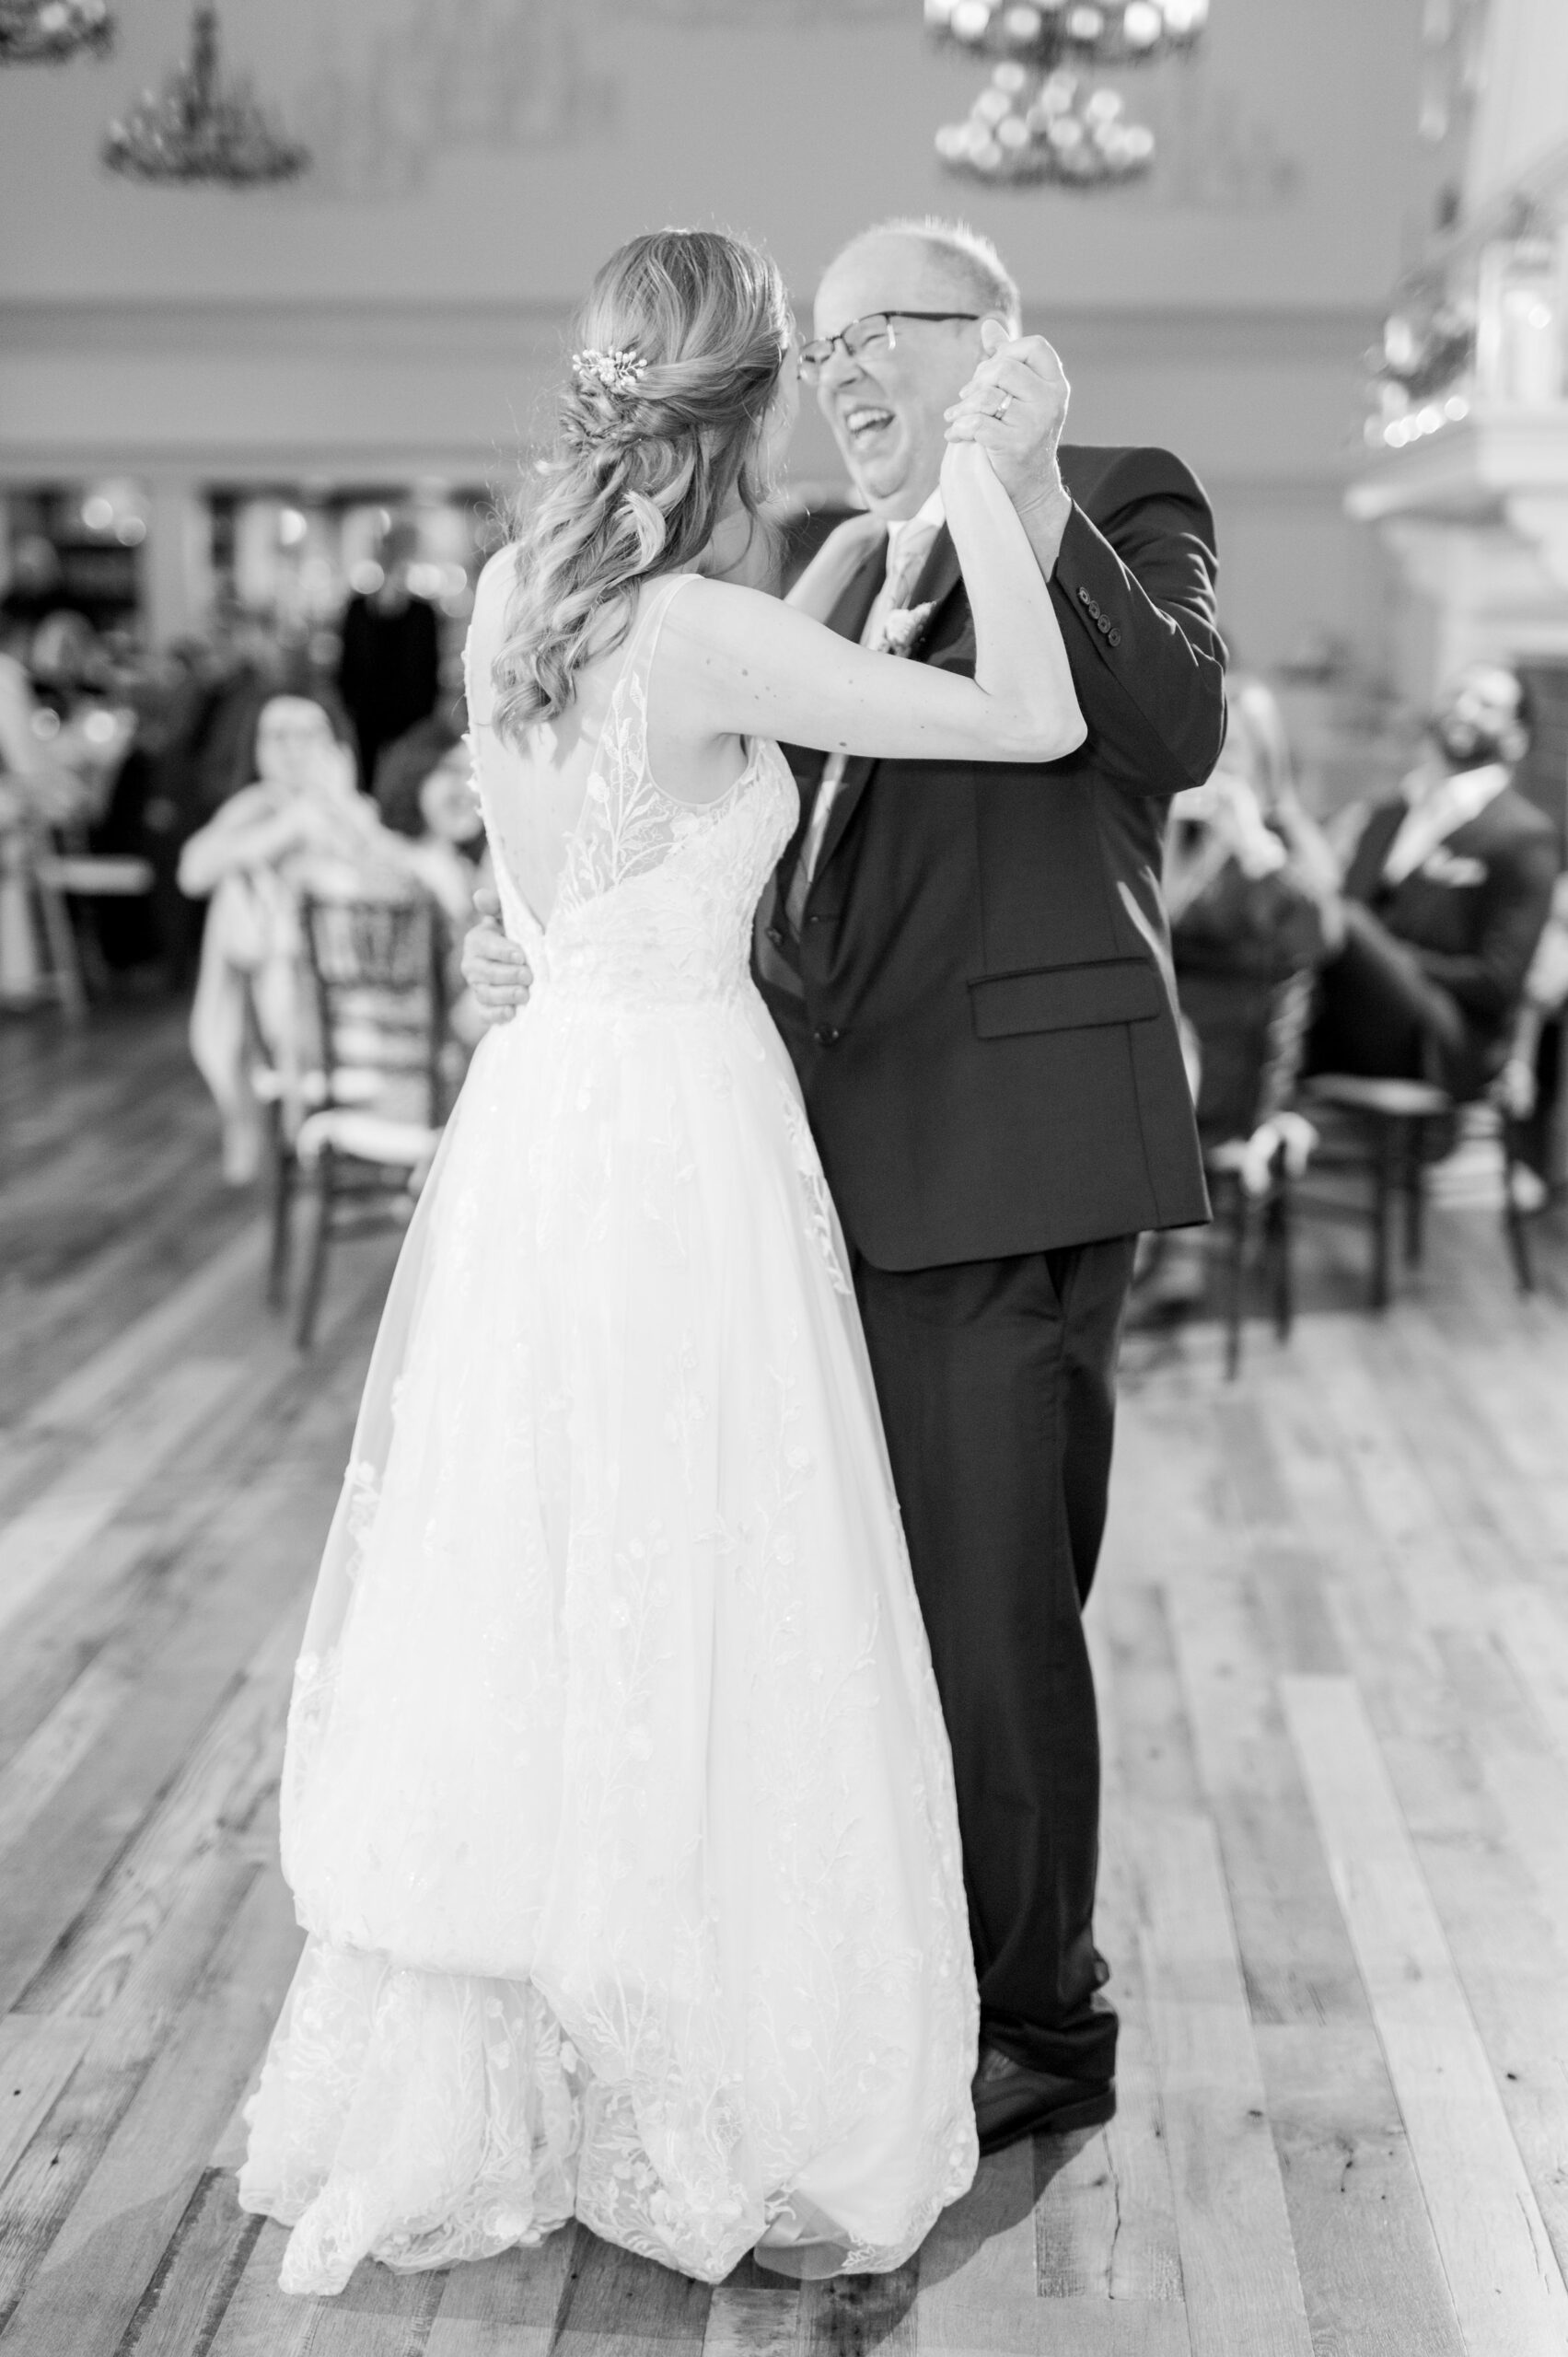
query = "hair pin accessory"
{"x": 617, "y": 371}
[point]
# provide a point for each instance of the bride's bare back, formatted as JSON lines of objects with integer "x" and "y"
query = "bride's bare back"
{"x": 534, "y": 792}
{"x": 735, "y": 665}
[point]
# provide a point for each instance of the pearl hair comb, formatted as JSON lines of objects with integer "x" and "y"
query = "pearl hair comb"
{"x": 618, "y": 372}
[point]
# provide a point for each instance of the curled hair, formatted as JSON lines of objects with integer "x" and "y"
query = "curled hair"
{"x": 643, "y": 471}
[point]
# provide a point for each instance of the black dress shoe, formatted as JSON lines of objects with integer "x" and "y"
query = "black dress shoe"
{"x": 1011, "y": 2101}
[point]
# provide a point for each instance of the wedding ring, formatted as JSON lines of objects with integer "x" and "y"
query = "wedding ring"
{"x": 1007, "y": 405}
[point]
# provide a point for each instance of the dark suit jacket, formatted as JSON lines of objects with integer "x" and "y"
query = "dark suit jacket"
{"x": 1471, "y": 914}
{"x": 980, "y": 1003}
{"x": 389, "y": 673}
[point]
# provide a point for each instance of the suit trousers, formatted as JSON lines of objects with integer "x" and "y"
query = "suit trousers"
{"x": 1379, "y": 1016}
{"x": 996, "y": 1382}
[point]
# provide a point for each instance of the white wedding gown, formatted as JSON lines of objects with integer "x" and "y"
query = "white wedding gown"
{"x": 617, "y": 1804}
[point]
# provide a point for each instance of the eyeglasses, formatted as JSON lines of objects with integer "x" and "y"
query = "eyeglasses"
{"x": 864, "y": 335}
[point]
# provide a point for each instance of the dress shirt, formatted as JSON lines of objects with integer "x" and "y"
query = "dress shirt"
{"x": 908, "y": 545}
{"x": 1437, "y": 811}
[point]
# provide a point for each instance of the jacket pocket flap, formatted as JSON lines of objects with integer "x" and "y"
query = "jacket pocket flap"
{"x": 1066, "y": 998}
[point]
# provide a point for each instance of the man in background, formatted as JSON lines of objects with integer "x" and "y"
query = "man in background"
{"x": 1445, "y": 896}
{"x": 389, "y": 672}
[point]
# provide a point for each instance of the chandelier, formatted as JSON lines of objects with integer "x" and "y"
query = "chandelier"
{"x": 1040, "y": 118}
{"x": 46, "y": 32}
{"x": 197, "y": 129}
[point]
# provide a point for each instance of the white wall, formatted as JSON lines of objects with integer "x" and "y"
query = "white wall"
{"x": 403, "y": 310}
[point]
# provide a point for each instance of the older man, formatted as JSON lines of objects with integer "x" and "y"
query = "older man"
{"x": 971, "y": 969}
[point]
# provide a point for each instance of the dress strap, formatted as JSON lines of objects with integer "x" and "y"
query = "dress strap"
{"x": 657, "y": 600}
{"x": 624, "y": 734}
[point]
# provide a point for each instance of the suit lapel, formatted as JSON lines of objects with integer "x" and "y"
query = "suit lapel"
{"x": 938, "y": 580}
{"x": 848, "y": 619}
{"x": 1366, "y": 874}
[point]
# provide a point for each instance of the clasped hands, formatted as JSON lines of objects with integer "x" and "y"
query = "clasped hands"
{"x": 1013, "y": 407}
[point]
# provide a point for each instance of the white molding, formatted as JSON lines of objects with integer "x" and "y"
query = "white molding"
{"x": 1476, "y": 516}
{"x": 38, "y": 325}
{"x": 1262, "y": 404}
{"x": 1468, "y": 470}
{"x": 50, "y": 328}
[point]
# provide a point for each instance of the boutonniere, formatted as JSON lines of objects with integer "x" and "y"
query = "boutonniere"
{"x": 903, "y": 626}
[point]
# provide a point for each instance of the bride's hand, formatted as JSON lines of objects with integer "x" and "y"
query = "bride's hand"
{"x": 964, "y": 463}
{"x": 1015, "y": 407}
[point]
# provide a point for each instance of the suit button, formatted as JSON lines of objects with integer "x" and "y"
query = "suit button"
{"x": 1102, "y": 624}
{"x": 1084, "y": 597}
{"x": 1114, "y": 638}
{"x": 775, "y": 935}
{"x": 827, "y": 1035}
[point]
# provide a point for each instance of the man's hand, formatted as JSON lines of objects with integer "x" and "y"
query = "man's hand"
{"x": 1016, "y": 405}
{"x": 496, "y": 969}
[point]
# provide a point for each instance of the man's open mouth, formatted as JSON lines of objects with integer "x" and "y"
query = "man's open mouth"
{"x": 863, "y": 422}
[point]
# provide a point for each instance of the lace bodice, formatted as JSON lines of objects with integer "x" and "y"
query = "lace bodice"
{"x": 656, "y": 898}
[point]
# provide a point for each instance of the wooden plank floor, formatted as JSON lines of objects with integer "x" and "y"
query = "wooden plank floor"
{"x": 1331, "y": 1636}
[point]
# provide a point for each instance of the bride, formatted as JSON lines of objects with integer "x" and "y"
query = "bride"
{"x": 617, "y": 1803}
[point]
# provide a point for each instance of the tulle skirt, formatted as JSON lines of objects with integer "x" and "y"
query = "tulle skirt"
{"x": 617, "y": 1803}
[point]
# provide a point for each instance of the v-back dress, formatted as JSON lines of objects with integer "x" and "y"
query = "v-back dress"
{"x": 617, "y": 1803}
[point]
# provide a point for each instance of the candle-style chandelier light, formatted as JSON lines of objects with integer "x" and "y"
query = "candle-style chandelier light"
{"x": 198, "y": 129}
{"x": 1040, "y": 118}
{"x": 46, "y": 32}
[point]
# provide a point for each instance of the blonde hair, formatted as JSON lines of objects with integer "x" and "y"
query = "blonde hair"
{"x": 647, "y": 457}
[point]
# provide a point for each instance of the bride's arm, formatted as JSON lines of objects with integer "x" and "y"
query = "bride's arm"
{"x": 835, "y": 566}
{"x": 486, "y": 629}
{"x": 744, "y": 665}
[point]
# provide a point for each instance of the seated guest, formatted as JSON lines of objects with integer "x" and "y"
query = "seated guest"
{"x": 37, "y": 793}
{"x": 1531, "y": 1084}
{"x": 1446, "y": 892}
{"x": 1251, "y": 894}
{"x": 1252, "y": 897}
{"x": 302, "y": 821}
{"x": 425, "y": 792}
{"x": 204, "y": 755}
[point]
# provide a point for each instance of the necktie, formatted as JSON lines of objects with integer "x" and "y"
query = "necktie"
{"x": 908, "y": 545}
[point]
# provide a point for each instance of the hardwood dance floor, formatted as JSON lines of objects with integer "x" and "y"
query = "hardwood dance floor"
{"x": 1331, "y": 1632}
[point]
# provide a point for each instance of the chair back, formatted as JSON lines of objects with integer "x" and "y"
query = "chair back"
{"x": 1251, "y": 1031}
{"x": 379, "y": 979}
{"x": 1290, "y": 1004}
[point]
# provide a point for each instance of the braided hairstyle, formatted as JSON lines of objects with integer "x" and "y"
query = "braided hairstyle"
{"x": 649, "y": 457}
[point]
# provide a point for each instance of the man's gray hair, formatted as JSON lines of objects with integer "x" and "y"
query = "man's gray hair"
{"x": 969, "y": 256}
